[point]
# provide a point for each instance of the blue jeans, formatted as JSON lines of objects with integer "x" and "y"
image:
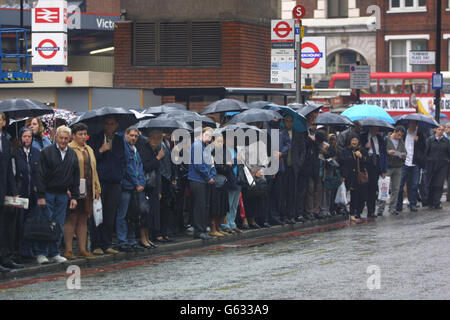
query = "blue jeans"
{"x": 410, "y": 176}
{"x": 124, "y": 236}
{"x": 233, "y": 202}
{"x": 56, "y": 206}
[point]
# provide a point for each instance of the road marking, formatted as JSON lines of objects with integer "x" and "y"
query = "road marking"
{"x": 327, "y": 263}
{"x": 239, "y": 285}
{"x": 284, "y": 273}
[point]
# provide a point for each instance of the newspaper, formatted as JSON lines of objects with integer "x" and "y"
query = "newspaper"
{"x": 399, "y": 154}
{"x": 19, "y": 203}
{"x": 248, "y": 175}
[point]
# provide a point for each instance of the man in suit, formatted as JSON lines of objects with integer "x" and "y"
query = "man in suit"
{"x": 7, "y": 187}
{"x": 375, "y": 146}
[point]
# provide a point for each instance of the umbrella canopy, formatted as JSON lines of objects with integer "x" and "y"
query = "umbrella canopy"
{"x": 299, "y": 120}
{"x": 374, "y": 122}
{"x": 255, "y": 115}
{"x": 20, "y": 108}
{"x": 162, "y": 109}
{"x": 189, "y": 117}
{"x": 296, "y": 106}
{"x": 142, "y": 116}
{"x": 225, "y": 105}
{"x": 163, "y": 124}
{"x": 363, "y": 111}
{"x": 425, "y": 122}
{"x": 309, "y": 107}
{"x": 333, "y": 119}
{"x": 258, "y": 104}
{"x": 94, "y": 119}
{"x": 234, "y": 127}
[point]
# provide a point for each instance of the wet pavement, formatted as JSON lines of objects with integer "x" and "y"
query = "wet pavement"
{"x": 393, "y": 257}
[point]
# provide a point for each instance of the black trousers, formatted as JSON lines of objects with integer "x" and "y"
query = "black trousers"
{"x": 167, "y": 208}
{"x": 8, "y": 232}
{"x": 256, "y": 207}
{"x": 300, "y": 192}
{"x": 101, "y": 236}
{"x": 288, "y": 194}
{"x": 201, "y": 199}
{"x": 274, "y": 198}
{"x": 434, "y": 196}
{"x": 372, "y": 189}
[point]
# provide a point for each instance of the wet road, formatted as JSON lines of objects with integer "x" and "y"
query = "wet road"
{"x": 403, "y": 257}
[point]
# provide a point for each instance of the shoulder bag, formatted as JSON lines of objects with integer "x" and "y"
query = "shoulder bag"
{"x": 219, "y": 181}
{"x": 41, "y": 229}
{"x": 363, "y": 177}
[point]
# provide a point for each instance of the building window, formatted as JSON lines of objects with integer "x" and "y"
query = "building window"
{"x": 337, "y": 8}
{"x": 177, "y": 44}
{"x": 340, "y": 62}
{"x": 399, "y": 55}
{"x": 398, "y": 6}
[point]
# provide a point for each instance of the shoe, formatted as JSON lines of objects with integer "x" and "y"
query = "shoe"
{"x": 4, "y": 270}
{"x": 125, "y": 248}
{"x": 266, "y": 225}
{"x": 137, "y": 248}
{"x": 69, "y": 255}
{"x": 228, "y": 230}
{"x": 290, "y": 221}
{"x": 12, "y": 265}
{"x": 276, "y": 221}
{"x": 352, "y": 218}
{"x": 98, "y": 252}
{"x": 58, "y": 259}
{"x": 236, "y": 230}
{"x": 162, "y": 240}
{"x": 413, "y": 209}
{"x": 145, "y": 246}
{"x": 204, "y": 236}
{"x": 254, "y": 226}
{"x": 168, "y": 239}
{"x": 111, "y": 251}
{"x": 224, "y": 233}
{"x": 300, "y": 219}
{"x": 245, "y": 227}
{"x": 86, "y": 254}
{"x": 394, "y": 213}
{"x": 216, "y": 234}
{"x": 42, "y": 259}
{"x": 438, "y": 207}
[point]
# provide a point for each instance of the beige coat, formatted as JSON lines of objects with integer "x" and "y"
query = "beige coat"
{"x": 95, "y": 182}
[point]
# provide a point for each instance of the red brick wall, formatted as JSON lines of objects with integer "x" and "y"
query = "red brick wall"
{"x": 104, "y": 6}
{"x": 245, "y": 61}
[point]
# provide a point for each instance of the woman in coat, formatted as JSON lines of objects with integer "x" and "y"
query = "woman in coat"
{"x": 151, "y": 156}
{"x": 26, "y": 161}
{"x": 348, "y": 162}
{"x": 437, "y": 153}
{"x": 77, "y": 219}
{"x": 40, "y": 141}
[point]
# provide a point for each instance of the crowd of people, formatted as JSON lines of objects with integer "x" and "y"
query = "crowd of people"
{"x": 146, "y": 198}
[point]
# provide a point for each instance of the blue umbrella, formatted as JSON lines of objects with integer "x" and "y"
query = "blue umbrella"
{"x": 299, "y": 120}
{"x": 364, "y": 111}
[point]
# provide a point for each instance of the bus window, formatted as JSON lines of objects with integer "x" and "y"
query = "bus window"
{"x": 390, "y": 86}
{"x": 342, "y": 83}
{"x": 420, "y": 86}
{"x": 373, "y": 86}
{"x": 446, "y": 88}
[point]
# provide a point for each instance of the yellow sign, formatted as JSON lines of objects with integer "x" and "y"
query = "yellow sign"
{"x": 302, "y": 31}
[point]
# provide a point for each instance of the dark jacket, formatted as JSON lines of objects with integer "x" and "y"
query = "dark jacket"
{"x": 168, "y": 168}
{"x": 382, "y": 163}
{"x": 26, "y": 171}
{"x": 348, "y": 166}
{"x": 134, "y": 172}
{"x": 7, "y": 181}
{"x": 151, "y": 163}
{"x": 110, "y": 164}
{"x": 419, "y": 157}
{"x": 437, "y": 154}
{"x": 55, "y": 175}
{"x": 298, "y": 152}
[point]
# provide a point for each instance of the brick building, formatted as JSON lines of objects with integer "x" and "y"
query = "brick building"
{"x": 194, "y": 43}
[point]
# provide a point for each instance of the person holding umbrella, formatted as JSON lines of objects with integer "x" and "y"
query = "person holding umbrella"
{"x": 109, "y": 149}
{"x": 437, "y": 154}
{"x": 375, "y": 146}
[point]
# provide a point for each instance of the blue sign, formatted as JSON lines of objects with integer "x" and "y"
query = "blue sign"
{"x": 437, "y": 81}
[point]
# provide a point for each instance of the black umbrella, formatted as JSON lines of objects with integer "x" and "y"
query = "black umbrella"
{"x": 189, "y": 117}
{"x": 163, "y": 124}
{"x": 163, "y": 109}
{"x": 225, "y": 105}
{"x": 20, "y": 108}
{"x": 333, "y": 119}
{"x": 258, "y": 104}
{"x": 296, "y": 106}
{"x": 175, "y": 105}
{"x": 425, "y": 122}
{"x": 94, "y": 119}
{"x": 309, "y": 107}
{"x": 255, "y": 115}
{"x": 234, "y": 127}
{"x": 374, "y": 122}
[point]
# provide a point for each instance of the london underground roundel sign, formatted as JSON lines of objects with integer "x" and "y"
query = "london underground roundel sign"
{"x": 47, "y": 52}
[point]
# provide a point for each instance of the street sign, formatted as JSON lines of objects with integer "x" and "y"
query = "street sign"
{"x": 437, "y": 81}
{"x": 314, "y": 55}
{"x": 298, "y": 12}
{"x": 282, "y": 66}
{"x": 282, "y": 34}
{"x": 49, "y": 49}
{"x": 359, "y": 77}
{"x": 422, "y": 57}
{"x": 49, "y": 15}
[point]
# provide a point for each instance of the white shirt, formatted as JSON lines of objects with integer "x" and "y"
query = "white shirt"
{"x": 63, "y": 152}
{"x": 375, "y": 142}
{"x": 409, "y": 144}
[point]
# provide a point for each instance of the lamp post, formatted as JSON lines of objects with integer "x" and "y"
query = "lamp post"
{"x": 437, "y": 98}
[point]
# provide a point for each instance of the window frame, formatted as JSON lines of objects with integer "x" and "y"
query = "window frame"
{"x": 409, "y": 68}
{"x": 404, "y": 9}
{"x": 339, "y": 9}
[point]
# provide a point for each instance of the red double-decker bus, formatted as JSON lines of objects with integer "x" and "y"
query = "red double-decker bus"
{"x": 400, "y": 92}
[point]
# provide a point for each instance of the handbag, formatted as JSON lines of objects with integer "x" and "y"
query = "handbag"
{"x": 219, "y": 181}
{"x": 258, "y": 188}
{"x": 363, "y": 176}
{"x": 150, "y": 179}
{"x": 41, "y": 229}
{"x": 98, "y": 212}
